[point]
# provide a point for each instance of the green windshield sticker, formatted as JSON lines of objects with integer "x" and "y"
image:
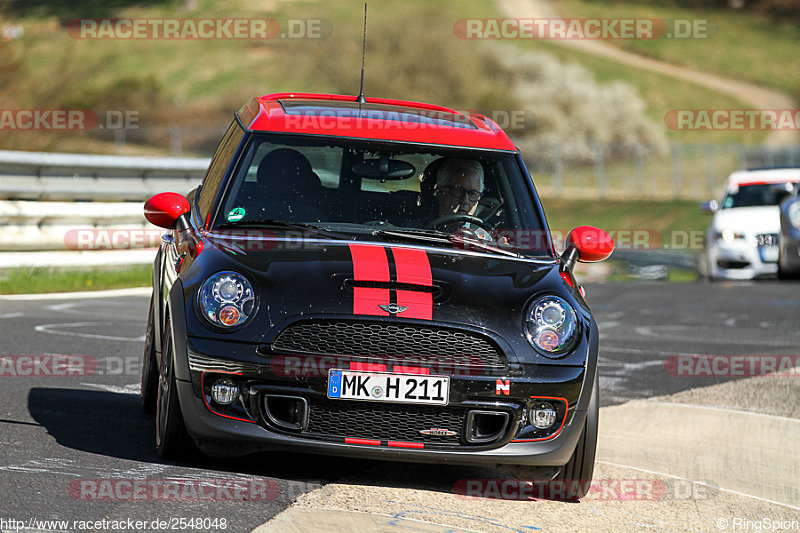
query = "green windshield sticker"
{"x": 236, "y": 214}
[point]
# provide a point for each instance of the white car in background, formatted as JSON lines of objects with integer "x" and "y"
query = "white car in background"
{"x": 742, "y": 240}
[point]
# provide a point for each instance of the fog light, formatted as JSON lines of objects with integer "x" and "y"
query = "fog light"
{"x": 224, "y": 391}
{"x": 543, "y": 415}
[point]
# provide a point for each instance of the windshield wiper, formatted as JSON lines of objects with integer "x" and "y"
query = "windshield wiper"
{"x": 432, "y": 235}
{"x": 283, "y": 224}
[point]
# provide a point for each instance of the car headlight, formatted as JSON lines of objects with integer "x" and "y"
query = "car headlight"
{"x": 551, "y": 325}
{"x": 794, "y": 214}
{"x": 226, "y": 299}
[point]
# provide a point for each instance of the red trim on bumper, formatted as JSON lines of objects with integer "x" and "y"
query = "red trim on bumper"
{"x": 203, "y": 391}
{"x": 563, "y": 421}
{"x": 397, "y": 444}
{"x": 369, "y": 442}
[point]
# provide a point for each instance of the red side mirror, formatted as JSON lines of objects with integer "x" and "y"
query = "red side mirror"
{"x": 592, "y": 244}
{"x": 165, "y": 208}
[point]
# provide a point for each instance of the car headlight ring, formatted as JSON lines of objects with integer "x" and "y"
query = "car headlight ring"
{"x": 226, "y": 299}
{"x": 551, "y": 325}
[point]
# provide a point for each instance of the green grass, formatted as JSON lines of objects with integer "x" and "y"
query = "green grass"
{"x": 741, "y": 44}
{"x": 661, "y": 93}
{"x": 200, "y": 83}
{"x": 665, "y": 217}
{"x": 683, "y": 173}
{"x": 42, "y": 280}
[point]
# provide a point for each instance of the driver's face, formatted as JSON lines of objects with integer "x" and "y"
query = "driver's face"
{"x": 451, "y": 194}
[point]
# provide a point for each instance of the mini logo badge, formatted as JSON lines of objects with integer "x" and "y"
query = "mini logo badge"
{"x": 438, "y": 432}
{"x": 393, "y": 309}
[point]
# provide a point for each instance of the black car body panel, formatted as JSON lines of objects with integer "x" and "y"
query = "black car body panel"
{"x": 314, "y": 312}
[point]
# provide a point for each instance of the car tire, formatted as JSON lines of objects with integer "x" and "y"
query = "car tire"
{"x": 577, "y": 473}
{"x": 149, "y": 386}
{"x": 172, "y": 440}
{"x": 784, "y": 274}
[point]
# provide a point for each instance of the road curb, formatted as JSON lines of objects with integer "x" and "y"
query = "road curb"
{"x": 747, "y": 453}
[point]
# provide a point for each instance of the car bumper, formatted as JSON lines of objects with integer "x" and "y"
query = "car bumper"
{"x": 219, "y": 433}
{"x": 740, "y": 261}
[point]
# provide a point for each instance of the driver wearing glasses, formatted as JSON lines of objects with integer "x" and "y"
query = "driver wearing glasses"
{"x": 459, "y": 186}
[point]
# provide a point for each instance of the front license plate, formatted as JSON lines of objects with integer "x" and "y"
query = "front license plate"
{"x": 387, "y": 387}
{"x": 769, "y": 254}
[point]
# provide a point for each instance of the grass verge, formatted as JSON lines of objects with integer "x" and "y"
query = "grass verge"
{"x": 740, "y": 44}
{"x": 412, "y": 53}
{"x": 651, "y": 215}
{"x": 43, "y": 280}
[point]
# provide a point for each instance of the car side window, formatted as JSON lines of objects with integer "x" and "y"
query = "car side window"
{"x": 218, "y": 168}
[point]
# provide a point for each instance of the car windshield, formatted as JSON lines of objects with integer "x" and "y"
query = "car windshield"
{"x": 382, "y": 190}
{"x": 757, "y": 194}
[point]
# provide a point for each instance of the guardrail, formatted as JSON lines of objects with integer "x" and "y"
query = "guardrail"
{"x": 83, "y": 210}
{"x": 44, "y": 176}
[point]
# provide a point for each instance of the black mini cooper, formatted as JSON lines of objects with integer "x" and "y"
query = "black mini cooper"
{"x": 371, "y": 279}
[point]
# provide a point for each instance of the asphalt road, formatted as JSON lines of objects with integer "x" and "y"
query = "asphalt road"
{"x": 56, "y": 431}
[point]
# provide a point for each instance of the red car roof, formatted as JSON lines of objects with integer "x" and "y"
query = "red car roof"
{"x": 378, "y": 118}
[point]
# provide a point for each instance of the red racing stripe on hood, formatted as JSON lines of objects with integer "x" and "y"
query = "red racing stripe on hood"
{"x": 369, "y": 264}
{"x": 412, "y": 266}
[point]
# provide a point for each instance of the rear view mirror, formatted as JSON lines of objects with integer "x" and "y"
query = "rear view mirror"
{"x": 164, "y": 209}
{"x": 384, "y": 169}
{"x": 710, "y": 207}
{"x": 587, "y": 244}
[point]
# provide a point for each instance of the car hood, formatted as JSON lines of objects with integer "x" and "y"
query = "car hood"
{"x": 751, "y": 220}
{"x": 340, "y": 279}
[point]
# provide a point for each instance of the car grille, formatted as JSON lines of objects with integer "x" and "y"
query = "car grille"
{"x": 389, "y": 341}
{"x": 724, "y": 263}
{"x": 335, "y": 419}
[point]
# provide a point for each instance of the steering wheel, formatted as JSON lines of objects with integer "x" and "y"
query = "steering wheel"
{"x": 447, "y": 220}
